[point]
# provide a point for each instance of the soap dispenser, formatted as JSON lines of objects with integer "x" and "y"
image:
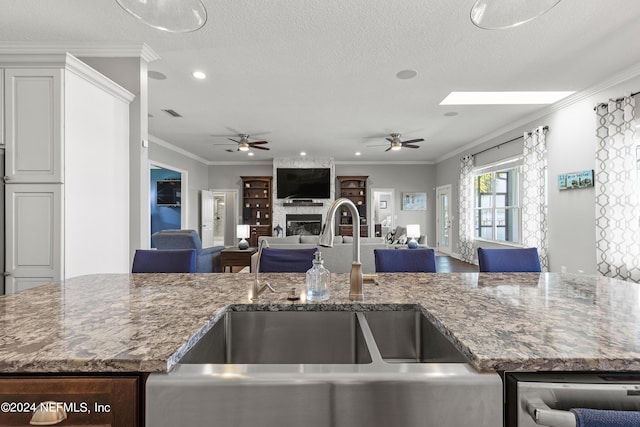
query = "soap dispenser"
{"x": 318, "y": 278}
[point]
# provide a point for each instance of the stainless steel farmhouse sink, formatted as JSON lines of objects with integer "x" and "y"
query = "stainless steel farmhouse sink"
{"x": 282, "y": 337}
{"x": 376, "y": 367}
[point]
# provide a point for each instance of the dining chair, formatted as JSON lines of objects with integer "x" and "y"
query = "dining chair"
{"x": 164, "y": 261}
{"x": 509, "y": 260}
{"x": 277, "y": 260}
{"x": 422, "y": 260}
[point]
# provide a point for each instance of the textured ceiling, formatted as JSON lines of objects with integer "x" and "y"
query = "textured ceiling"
{"x": 320, "y": 75}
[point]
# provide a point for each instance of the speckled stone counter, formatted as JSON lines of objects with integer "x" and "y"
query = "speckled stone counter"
{"x": 145, "y": 322}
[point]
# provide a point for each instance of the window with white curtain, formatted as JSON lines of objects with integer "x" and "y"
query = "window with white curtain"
{"x": 497, "y": 214}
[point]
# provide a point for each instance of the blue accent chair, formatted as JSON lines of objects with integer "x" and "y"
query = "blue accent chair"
{"x": 207, "y": 259}
{"x": 523, "y": 260}
{"x": 164, "y": 261}
{"x": 405, "y": 260}
{"x": 276, "y": 260}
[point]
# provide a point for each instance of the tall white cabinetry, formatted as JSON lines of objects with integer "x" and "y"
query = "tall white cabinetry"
{"x": 66, "y": 139}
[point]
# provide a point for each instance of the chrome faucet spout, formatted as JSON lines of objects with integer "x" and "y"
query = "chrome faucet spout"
{"x": 258, "y": 289}
{"x": 326, "y": 239}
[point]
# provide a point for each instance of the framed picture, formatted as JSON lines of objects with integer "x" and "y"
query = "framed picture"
{"x": 582, "y": 179}
{"x": 414, "y": 201}
{"x": 383, "y": 204}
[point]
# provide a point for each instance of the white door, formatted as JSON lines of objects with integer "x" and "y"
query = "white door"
{"x": 443, "y": 219}
{"x": 206, "y": 227}
{"x": 33, "y": 218}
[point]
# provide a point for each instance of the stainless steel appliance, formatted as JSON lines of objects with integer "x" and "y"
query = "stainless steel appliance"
{"x": 544, "y": 399}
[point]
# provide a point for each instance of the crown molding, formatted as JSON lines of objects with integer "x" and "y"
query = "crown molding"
{"x": 181, "y": 151}
{"x": 112, "y": 50}
{"x": 240, "y": 163}
{"x": 383, "y": 162}
{"x": 81, "y": 69}
{"x": 615, "y": 80}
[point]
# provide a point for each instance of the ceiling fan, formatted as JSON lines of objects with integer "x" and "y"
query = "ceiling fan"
{"x": 244, "y": 144}
{"x": 397, "y": 143}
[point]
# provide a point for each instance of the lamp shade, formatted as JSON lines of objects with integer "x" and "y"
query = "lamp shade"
{"x": 501, "y": 14}
{"x": 413, "y": 230}
{"x": 174, "y": 16}
{"x": 242, "y": 231}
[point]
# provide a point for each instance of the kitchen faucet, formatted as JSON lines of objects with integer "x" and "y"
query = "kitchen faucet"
{"x": 326, "y": 239}
{"x": 257, "y": 289}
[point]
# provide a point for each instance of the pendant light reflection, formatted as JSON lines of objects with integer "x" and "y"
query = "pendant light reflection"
{"x": 174, "y": 16}
{"x": 502, "y": 14}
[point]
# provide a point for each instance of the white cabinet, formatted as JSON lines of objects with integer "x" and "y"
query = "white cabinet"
{"x": 33, "y": 121}
{"x": 66, "y": 170}
{"x": 33, "y": 218}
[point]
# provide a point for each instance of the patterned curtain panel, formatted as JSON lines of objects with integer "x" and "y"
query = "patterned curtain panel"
{"x": 616, "y": 182}
{"x": 533, "y": 201}
{"x": 466, "y": 209}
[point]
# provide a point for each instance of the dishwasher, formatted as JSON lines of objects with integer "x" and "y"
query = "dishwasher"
{"x": 545, "y": 398}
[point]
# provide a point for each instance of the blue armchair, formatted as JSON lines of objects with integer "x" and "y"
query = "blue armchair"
{"x": 509, "y": 260}
{"x": 207, "y": 259}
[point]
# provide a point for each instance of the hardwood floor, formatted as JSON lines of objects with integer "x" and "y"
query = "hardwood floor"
{"x": 447, "y": 264}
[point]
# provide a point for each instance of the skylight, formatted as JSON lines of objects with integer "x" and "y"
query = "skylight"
{"x": 504, "y": 98}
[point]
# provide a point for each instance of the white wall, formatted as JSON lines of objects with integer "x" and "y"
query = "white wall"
{"x": 571, "y": 143}
{"x": 96, "y": 187}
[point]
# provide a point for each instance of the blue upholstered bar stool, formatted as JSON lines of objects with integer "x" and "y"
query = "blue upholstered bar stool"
{"x": 405, "y": 260}
{"x": 164, "y": 261}
{"x": 275, "y": 260}
{"x": 522, "y": 260}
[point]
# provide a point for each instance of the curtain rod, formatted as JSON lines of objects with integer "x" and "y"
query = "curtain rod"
{"x": 616, "y": 100}
{"x": 546, "y": 128}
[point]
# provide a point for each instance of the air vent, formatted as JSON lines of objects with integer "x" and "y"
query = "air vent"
{"x": 172, "y": 113}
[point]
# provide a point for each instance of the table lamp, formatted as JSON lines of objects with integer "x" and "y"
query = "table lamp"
{"x": 242, "y": 232}
{"x": 413, "y": 231}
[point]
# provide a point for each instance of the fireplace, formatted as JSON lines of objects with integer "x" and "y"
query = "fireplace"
{"x": 304, "y": 224}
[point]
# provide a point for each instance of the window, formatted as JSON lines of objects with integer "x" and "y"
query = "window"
{"x": 496, "y": 202}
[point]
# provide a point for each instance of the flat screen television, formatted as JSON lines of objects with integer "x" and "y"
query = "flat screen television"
{"x": 168, "y": 192}
{"x": 303, "y": 183}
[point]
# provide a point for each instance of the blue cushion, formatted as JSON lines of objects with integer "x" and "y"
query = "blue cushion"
{"x": 275, "y": 260}
{"x": 164, "y": 261}
{"x": 509, "y": 260}
{"x": 405, "y": 260}
{"x": 207, "y": 259}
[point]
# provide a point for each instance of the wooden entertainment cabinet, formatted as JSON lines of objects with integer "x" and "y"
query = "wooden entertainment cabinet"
{"x": 353, "y": 188}
{"x": 256, "y": 206}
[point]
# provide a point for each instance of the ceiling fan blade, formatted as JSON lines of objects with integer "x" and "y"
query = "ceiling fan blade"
{"x": 389, "y": 139}
{"x": 410, "y": 146}
{"x": 412, "y": 141}
{"x": 234, "y": 140}
{"x": 387, "y": 149}
{"x": 223, "y": 143}
{"x": 262, "y": 148}
{"x": 258, "y": 142}
{"x": 228, "y": 150}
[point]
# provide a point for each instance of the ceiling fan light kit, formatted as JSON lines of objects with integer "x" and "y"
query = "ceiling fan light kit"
{"x": 245, "y": 145}
{"x": 503, "y": 14}
{"x": 173, "y": 16}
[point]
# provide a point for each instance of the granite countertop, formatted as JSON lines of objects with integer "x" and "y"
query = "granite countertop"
{"x": 145, "y": 322}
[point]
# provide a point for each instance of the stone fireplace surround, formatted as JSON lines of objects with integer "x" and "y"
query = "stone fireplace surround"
{"x": 281, "y": 210}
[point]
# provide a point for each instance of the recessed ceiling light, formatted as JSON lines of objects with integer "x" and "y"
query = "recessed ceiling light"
{"x": 504, "y": 98}
{"x": 199, "y": 75}
{"x": 451, "y": 114}
{"x": 406, "y": 74}
{"x": 302, "y": 153}
{"x": 358, "y": 153}
{"x": 249, "y": 153}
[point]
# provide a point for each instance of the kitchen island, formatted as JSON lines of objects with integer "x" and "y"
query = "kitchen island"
{"x": 146, "y": 322}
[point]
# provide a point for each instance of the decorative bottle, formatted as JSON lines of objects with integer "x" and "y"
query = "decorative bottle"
{"x": 318, "y": 278}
